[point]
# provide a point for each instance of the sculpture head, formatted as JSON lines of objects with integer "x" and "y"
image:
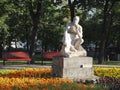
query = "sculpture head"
{"x": 76, "y": 20}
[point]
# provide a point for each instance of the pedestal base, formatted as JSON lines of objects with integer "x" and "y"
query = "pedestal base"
{"x": 73, "y": 68}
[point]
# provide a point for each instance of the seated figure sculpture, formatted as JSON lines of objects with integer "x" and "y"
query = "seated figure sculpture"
{"x": 73, "y": 39}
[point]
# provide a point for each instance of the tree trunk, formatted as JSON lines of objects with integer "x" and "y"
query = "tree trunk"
{"x": 72, "y": 9}
{"x": 107, "y": 23}
{"x": 1, "y": 49}
{"x": 101, "y": 52}
{"x": 33, "y": 37}
{"x": 35, "y": 16}
{"x": 103, "y": 34}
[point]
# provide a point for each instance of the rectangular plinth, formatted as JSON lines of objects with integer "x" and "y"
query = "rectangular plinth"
{"x": 72, "y": 67}
{"x": 77, "y": 72}
{"x": 77, "y": 62}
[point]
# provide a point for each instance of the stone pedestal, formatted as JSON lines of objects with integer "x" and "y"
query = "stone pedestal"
{"x": 73, "y": 68}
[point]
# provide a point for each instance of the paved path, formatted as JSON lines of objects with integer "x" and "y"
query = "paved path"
{"x": 22, "y": 66}
{"x": 108, "y": 66}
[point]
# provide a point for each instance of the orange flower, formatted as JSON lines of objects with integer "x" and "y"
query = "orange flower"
{"x": 91, "y": 86}
{"x": 46, "y": 89}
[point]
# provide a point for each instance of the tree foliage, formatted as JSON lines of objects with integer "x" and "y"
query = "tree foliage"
{"x": 30, "y": 20}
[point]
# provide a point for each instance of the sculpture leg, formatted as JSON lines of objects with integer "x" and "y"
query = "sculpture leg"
{"x": 77, "y": 44}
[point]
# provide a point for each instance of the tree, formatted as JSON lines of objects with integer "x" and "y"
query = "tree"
{"x": 17, "y": 9}
{"x": 34, "y": 8}
{"x": 35, "y": 19}
{"x": 3, "y": 26}
{"x": 52, "y": 26}
{"x": 107, "y": 23}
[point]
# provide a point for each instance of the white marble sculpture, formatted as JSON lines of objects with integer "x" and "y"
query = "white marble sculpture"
{"x": 72, "y": 40}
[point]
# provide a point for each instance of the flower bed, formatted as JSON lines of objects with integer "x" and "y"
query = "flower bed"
{"x": 110, "y": 77}
{"x": 107, "y": 72}
{"x": 41, "y": 79}
{"x": 36, "y": 79}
